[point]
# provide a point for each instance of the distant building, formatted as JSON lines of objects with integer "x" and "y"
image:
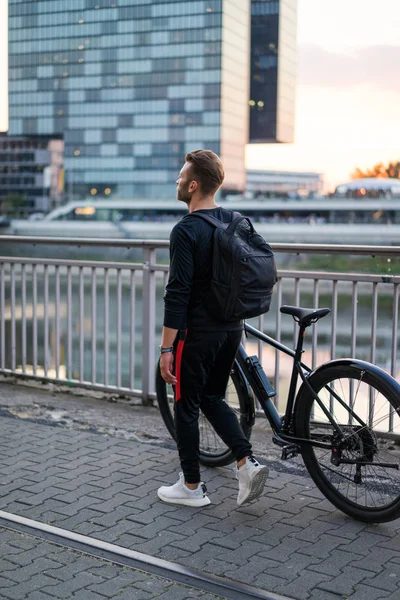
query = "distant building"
{"x": 283, "y": 183}
{"x": 131, "y": 87}
{"x": 273, "y": 70}
{"x": 31, "y": 174}
{"x": 370, "y": 187}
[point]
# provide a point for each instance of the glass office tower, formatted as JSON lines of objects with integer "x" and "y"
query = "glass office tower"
{"x": 131, "y": 86}
{"x": 273, "y": 70}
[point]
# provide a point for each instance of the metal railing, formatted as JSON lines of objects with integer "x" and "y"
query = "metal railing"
{"x": 94, "y": 323}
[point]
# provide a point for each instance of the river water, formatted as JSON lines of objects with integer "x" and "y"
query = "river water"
{"x": 121, "y": 345}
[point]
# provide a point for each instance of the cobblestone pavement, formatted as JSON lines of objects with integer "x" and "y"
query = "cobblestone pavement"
{"x": 291, "y": 541}
{"x": 35, "y": 570}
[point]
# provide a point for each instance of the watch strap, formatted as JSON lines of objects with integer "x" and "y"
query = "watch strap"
{"x": 165, "y": 350}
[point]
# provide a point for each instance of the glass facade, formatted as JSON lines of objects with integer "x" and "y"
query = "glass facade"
{"x": 273, "y": 70}
{"x": 131, "y": 86}
{"x": 30, "y": 174}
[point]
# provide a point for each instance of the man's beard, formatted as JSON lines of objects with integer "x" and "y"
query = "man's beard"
{"x": 184, "y": 196}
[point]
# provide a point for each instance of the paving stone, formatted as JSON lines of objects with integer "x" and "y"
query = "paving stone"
{"x": 86, "y": 595}
{"x": 111, "y": 587}
{"x": 300, "y": 587}
{"x": 199, "y": 560}
{"x": 285, "y": 550}
{"x": 76, "y": 565}
{"x": 24, "y": 542}
{"x": 270, "y": 582}
{"x": 114, "y": 533}
{"x": 47, "y": 512}
{"x": 108, "y": 520}
{"x": 172, "y": 554}
{"x": 324, "y": 545}
{"x": 306, "y": 515}
{"x": 159, "y": 509}
{"x": 74, "y": 508}
{"x": 335, "y": 562}
{"x": 67, "y": 588}
{"x": 162, "y": 523}
{"x": 317, "y": 594}
{"x": 15, "y": 497}
{"x": 392, "y": 544}
{"x": 364, "y": 542}
{"x": 290, "y": 541}
{"x": 5, "y": 583}
{"x": 243, "y": 553}
{"x": 295, "y": 566}
{"x": 152, "y": 546}
{"x": 41, "y": 565}
{"x": 312, "y": 532}
{"x": 28, "y": 556}
{"x": 393, "y": 596}
{"x": 346, "y": 581}
{"x": 348, "y": 529}
{"x": 132, "y": 593}
{"x": 276, "y": 534}
{"x": 36, "y": 488}
{"x": 235, "y": 539}
{"x": 248, "y": 571}
{"x": 39, "y": 595}
{"x": 109, "y": 505}
{"x": 83, "y": 516}
{"x": 35, "y": 583}
{"x": 364, "y": 592}
{"x": 376, "y": 559}
{"x": 174, "y": 592}
{"x": 388, "y": 579}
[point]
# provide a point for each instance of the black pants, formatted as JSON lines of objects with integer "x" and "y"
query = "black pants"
{"x": 203, "y": 362}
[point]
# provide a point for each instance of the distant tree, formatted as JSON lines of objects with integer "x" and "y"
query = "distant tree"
{"x": 392, "y": 169}
{"x": 13, "y": 204}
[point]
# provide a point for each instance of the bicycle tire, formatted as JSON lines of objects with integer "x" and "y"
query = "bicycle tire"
{"x": 213, "y": 452}
{"x": 365, "y": 490}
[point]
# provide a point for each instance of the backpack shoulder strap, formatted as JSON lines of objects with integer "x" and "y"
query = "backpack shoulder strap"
{"x": 214, "y": 221}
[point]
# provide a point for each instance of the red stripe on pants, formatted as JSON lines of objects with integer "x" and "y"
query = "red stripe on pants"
{"x": 178, "y": 361}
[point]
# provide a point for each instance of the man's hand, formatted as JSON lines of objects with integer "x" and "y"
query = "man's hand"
{"x": 166, "y": 366}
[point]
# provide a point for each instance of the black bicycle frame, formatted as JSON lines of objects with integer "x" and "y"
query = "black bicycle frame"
{"x": 281, "y": 427}
{"x": 266, "y": 403}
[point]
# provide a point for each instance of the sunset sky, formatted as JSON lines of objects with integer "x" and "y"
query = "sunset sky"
{"x": 348, "y": 92}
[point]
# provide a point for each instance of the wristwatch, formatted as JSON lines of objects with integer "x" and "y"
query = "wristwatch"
{"x": 164, "y": 350}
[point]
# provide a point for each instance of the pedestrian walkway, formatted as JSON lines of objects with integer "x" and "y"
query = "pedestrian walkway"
{"x": 291, "y": 542}
{"x": 32, "y": 569}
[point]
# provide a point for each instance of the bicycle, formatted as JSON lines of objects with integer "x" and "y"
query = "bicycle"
{"x": 342, "y": 420}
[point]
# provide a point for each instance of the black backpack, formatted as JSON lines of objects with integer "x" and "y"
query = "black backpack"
{"x": 243, "y": 270}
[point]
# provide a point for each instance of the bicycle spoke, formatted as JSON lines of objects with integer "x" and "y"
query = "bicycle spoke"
{"x": 362, "y": 412}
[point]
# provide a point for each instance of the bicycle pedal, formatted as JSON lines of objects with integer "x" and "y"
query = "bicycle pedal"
{"x": 290, "y": 451}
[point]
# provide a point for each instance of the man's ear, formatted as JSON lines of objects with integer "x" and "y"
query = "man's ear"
{"x": 193, "y": 186}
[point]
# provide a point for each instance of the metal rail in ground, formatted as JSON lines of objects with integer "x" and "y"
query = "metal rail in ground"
{"x": 220, "y": 586}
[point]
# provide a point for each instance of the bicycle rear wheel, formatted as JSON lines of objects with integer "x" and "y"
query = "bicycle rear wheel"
{"x": 213, "y": 451}
{"x": 360, "y": 473}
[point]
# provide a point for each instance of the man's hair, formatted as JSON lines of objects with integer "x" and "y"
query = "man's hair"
{"x": 208, "y": 169}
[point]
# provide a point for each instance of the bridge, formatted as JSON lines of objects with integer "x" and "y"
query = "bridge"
{"x": 95, "y": 322}
{"x": 79, "y": 512}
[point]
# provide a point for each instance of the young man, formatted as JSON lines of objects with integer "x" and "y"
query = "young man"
{"x": 197, "y": 351}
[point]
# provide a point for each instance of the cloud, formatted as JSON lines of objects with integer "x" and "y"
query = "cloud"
{"x": 373, "y": 64}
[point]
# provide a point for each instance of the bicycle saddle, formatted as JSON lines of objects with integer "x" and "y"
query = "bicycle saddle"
{"x": 305, "y": 316}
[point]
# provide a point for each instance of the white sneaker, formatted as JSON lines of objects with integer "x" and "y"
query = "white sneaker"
{"x": 251, "y": 477}
{"x": 179, "y": 493}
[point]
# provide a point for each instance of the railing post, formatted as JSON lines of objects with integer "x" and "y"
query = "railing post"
{"x": 149, "y": 322}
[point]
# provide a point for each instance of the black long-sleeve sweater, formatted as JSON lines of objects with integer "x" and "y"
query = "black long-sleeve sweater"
{"x": 191, "y": 248}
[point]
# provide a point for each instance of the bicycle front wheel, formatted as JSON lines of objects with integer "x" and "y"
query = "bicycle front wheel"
{"x": 358, "y": 416}
{"x": 213, "y": 451}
